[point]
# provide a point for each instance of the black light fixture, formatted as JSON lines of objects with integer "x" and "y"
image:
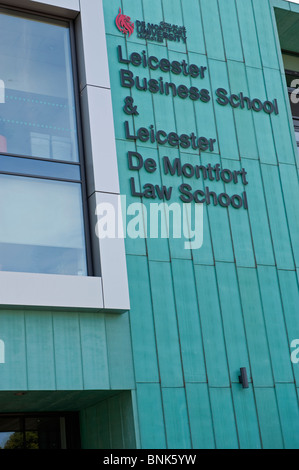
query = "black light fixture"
{"x": 243, "y": 377}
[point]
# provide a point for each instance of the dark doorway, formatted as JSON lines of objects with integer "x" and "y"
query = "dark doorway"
{"x": 39, "y": 431}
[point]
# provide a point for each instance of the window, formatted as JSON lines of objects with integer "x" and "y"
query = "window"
{"x": 41, "y": 431}
{"x": 42, "y": 214}
{"x": 291, "y": 64}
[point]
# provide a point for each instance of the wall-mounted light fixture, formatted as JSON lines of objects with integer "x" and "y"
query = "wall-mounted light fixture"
{"x": 243, "y": 379}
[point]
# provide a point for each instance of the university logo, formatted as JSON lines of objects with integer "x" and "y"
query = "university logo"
{"x": 124, "y": 23}
{"x": 151, "y": 31}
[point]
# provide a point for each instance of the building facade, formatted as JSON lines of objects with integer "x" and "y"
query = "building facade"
{"x": 149, "y": 231}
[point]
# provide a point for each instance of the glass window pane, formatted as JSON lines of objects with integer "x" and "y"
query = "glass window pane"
{"x": 11, "y": 440}
{"x": 42, "y": 433}
{"x": 38, "y": 115}
{"x": 290, "y": 78}
{"x": 29, "y": 166}
{"x": 294, "y": 105}
{"x": 11, "y": 435}
{"x": 41, "y": 228}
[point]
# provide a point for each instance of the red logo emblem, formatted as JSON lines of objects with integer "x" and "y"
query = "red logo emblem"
{"x": 124, "y": 23}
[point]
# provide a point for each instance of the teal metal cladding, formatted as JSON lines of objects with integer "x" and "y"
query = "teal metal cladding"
{"x": 197, "y": 316}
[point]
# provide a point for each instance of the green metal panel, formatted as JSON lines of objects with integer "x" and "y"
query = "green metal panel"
{"x": 90, "y": 438}
{"x": 121, "y": 371}
{"x": 243, "y": 119}
{"x": 219, "y": 222}
{"x": 183, "y": 108}
{"x": 224, "y": 114}
{"x": 150, "y": 411}
{"x": 203, "y": 254}
{"x": 204, "y": 112}
{"x": 191, "y": 12}
{"x": 115, "y": 423}
{"x": 130, "y": 6}
{"x": 94, "y": 351}
{"x": 242, "y": 317}
{"x": 264, "y": 26}
{"x": 290, "y": 299}
{"x": 129, "y": 427}
{"x": 223, "y": 418}
{"x": 211, "y": 323}
{"x": 68, "y": 359}
{"x": 169, "y": 356}
{"x": 280, "y": 4}
{"x": 233, "y": 322}
{"x": 142, "y": 99}
{"x": 188, "y": 321}
{"x": 289, "y": 414}
{"x": 134, "y": 246}
{"x": 239, "y": 222}
{"x": 141, "y": 315}
{"x": 173, "y": 10}
{"x": 108, "y": 424}
{"x": 275, "y": 324}
{"x": 268, "y": 417}
{"x": 152, "y": 11}
{"x": 165, "y": 121}
{"x": 262, "y": 121}
{"x": 212, "y": 29}
{"x": 176, "y": 244}
{"x": 102, "y": 424}
{"x": 259, "y": 354}
{"x": 246, "y": 417}
{"x": 248, "y": 33}
{"x": 157, "y": 248}
{"x": 13, "y": 373}
{"x": 290, "y": 189}
{"x": 110, "y": 15}
{"x": 40, "y": 351}
{"x": 64, "y": 351}
{"x": 230, "y": 30}
{"x": 200, "y": 417}
{"x": 257, "y": 209}
{"x": 176, "y": 418}
{"x": 135, "y": 419}
{"x": 277, "y": 217}
{"x": 294, "y": 7}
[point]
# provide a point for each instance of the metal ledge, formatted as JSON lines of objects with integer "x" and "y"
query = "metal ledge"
{"x": 50, "y": 291}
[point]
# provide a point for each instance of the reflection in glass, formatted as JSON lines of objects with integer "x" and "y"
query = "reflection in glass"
{"x": 30, "y": 433}
{"x": 11, "y": 435}
{"x": 41, "y": 228}
{"x": 38, "y": 116}
{"x": 11, "y": 440}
